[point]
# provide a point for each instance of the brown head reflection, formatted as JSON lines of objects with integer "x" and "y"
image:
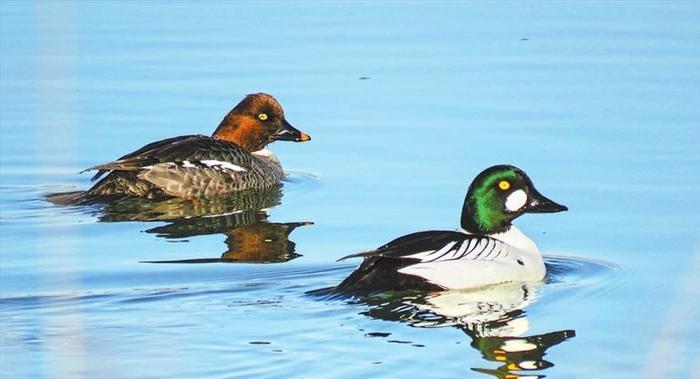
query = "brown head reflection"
{"x": 261, "y": 242}
{"x": 250, "y": 237}
{"x": 253, "y": 240}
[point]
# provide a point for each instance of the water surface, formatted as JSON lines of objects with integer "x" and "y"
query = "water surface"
{"x": 405, "y": 104}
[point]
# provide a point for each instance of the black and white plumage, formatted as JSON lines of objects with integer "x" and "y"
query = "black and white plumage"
{"x": 193, "y": 166}
{"x": 434, "y": 260}
{"x": 439, "y": 246}
{"x": 489, "y": 249}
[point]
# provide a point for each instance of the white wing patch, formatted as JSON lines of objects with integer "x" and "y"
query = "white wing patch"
{"x": 211, "y": 163}
{"x": 223, "y": 165}
{"x": 483, "y": 248}
{"x": 166, "y": 164}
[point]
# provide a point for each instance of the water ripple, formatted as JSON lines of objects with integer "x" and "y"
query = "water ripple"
{"x": 591, "y": 277}
{"x": 300, "y": 182}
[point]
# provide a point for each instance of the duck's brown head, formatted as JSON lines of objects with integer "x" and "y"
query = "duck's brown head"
{"x": 256, "y": 121}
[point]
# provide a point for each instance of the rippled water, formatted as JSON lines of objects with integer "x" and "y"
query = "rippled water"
{"x": 405, "y": 103}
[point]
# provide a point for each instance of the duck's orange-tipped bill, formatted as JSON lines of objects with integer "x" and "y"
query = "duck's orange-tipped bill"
{"x": 303, "y": 137}
{"x": 287, "y": 132}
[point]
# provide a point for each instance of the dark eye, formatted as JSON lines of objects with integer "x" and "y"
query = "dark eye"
{"x": 262, "y": 116}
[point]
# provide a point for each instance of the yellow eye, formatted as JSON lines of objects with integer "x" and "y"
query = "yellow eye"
{"x": 262, "y": 116}
{"x": 503, "y": 184}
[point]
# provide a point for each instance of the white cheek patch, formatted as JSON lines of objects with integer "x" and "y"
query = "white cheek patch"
{"x": 516, "y": 200}
{"x": 223, "y": 165}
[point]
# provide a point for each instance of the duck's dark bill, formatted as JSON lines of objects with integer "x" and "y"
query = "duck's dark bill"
{"x": 541, "y": 204}
{"x": 289, "y": 133}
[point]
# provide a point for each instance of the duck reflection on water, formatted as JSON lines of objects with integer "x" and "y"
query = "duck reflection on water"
{"x": 493, "y": 317}
{"x": 257, "y": 242}
{"x": 242, "y": 218}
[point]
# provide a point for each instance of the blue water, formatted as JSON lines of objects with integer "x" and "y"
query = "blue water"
{"x": 405, "y": 103}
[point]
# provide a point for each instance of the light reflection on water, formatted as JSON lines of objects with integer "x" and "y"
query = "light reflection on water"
{"x": 597, "y": 102}
{"x": 495, "y": 317}
{"x": 493, "y": 321}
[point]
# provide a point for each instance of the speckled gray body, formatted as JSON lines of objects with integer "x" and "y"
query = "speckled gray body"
{"x": 188, "y": 167}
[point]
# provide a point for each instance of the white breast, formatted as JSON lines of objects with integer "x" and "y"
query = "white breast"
{"x": 267, "y": 156}
{"x": 514, "y": 237}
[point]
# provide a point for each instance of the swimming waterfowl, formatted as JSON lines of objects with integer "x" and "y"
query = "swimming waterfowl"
{"x": 488, "y": 249}
{"x": 234, "y": 158}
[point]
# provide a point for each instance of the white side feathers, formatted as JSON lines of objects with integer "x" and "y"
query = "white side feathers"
{"x": 474, "y": 248}
{"x": 427, "y": 255}
{"x": 516, "y": 200}
{"x": 187, "y": 164}
{"x": 224, "y": 165}
{"x": 498, "y": 258}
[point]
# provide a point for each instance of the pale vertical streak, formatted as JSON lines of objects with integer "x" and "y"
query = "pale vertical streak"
{"x": 56, "y": 107}
{"x": 668, "y": 350}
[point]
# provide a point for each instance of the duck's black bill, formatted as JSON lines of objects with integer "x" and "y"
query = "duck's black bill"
{"x": 289, "y": 133}
{"x": 540, "y": 204}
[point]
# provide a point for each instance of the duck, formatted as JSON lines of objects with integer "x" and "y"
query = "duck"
{"x": 234, "y": 158}
{"x": 487, "y": 250}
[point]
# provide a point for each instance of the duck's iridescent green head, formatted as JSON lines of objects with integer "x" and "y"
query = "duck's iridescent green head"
{"x": 497, "y": 196}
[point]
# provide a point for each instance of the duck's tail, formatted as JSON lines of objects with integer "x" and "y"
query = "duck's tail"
{"x": 67, "y": 198}
{"x": 80, "y": 198}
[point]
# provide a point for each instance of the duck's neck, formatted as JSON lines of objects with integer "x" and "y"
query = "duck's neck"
{"x": 479, "y": 218}
{"x": 241, "y": 131}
